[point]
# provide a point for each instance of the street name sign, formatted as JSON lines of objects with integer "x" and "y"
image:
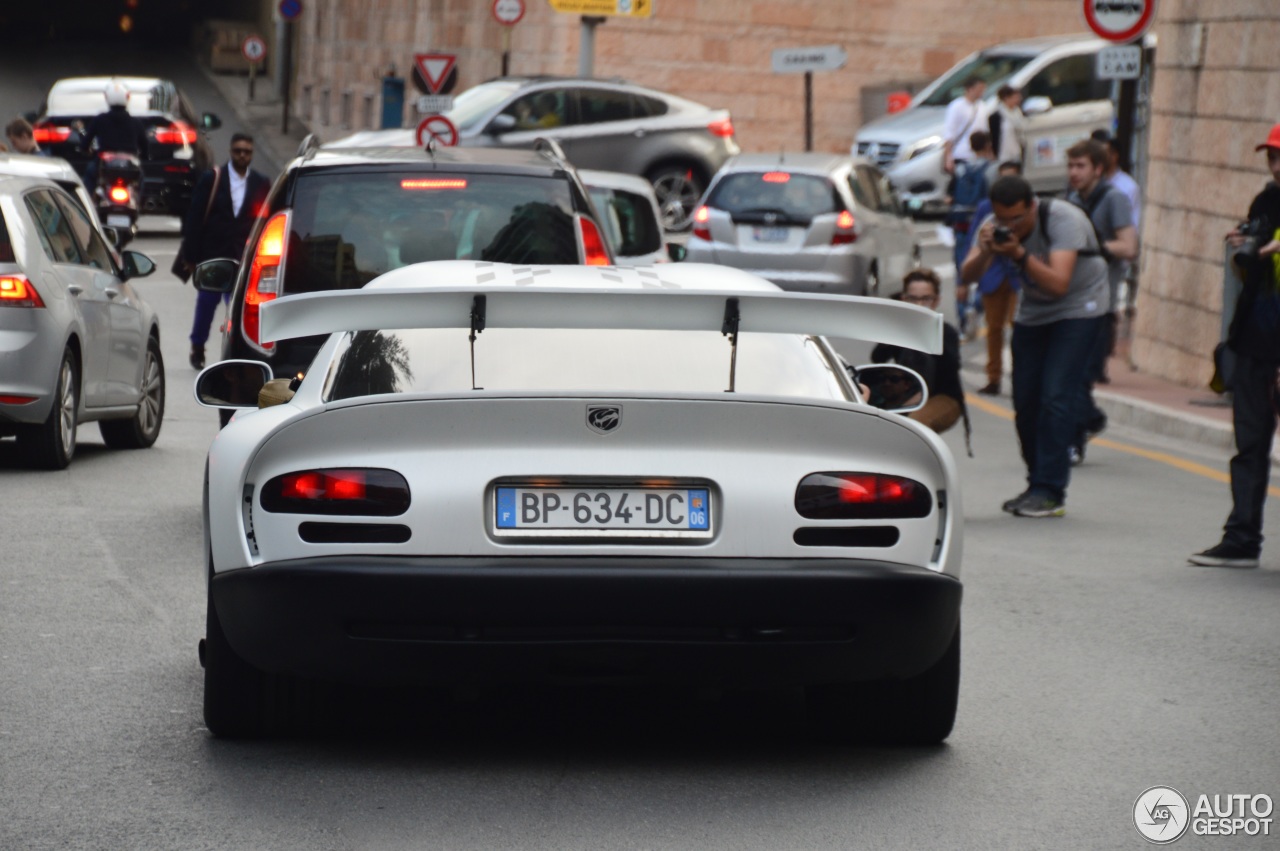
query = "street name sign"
{"x": 1119, "y": 20}
{"x": 1120, "y": 62}
{"x": 508, "y": 12}
{"x": 625, "y": 8}
{"x": 798, "y": 60}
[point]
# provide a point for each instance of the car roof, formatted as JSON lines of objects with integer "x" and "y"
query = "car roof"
{"x": 19, "y": 182}
{"x": 70, "y": 85}
{"x": 84, "y": 95}
{"x": 1039, "y": 45}
{"x": 29, "y": 165}
{"x": 616, "y": 180}
{"x": 509, "y": 160}
{"x": 806, "y": 162}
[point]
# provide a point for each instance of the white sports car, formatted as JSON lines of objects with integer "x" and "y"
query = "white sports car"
{"x": 567, "y": 473}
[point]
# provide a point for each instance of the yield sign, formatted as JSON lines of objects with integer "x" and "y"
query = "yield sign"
{"x": 435, "y": 68}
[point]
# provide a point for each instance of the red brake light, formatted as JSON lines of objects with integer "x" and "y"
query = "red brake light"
{"x": 49, "y": 133}
{"x": 593, "y": 251}
{"x": 775, "y": 177}
{"x": 861, "y": 496}
{"x": 701, "y": 223}
{"x": 265, "y": 276}
{"x": 723, "y": 128}
{"x": 119, "y": 194}
{"x": 17, "y": 291}
{"x": 17, "y": 400}
{"x": 177, "y": 133}
{"x": 846, "y": 229}
{"x": 439, "y": 183}
{"x": 337, "y": 491}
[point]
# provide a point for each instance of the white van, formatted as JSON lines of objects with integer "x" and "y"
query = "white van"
{"x": 1063, "y": 98}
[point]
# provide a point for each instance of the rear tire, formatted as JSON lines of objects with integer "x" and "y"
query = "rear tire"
{"x": 52, "y": 443}
{"x": 141, "y": 430}
{"x": 678, "y": 188}
{"x": 916, "y": 711}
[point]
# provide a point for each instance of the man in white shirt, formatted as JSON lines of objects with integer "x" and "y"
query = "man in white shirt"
{"x": 964, "y": 115}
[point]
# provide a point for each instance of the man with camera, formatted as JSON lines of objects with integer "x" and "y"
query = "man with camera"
{"x": 1064, "y": 297}
{"x": 1254, "y": 337}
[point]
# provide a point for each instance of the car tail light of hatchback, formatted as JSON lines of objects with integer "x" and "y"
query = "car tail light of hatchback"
{"x": 266, "y": 274}
{"x": 702, "y": 223}
{"x": 353, "y": 491}
{"x": 592, "y": 244}
{"x": 722, "y": 128}
{"x": 846, "y": 229}
{"x": 775, "y": 177}
{"x": 177, "y": 133}
{"x": 48, "y": 134}
{"x": 434, "y": 183}
{"x": 17, "y": 291}
{"x": 861, "y": 496}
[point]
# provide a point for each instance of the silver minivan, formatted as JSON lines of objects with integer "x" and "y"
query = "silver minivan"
{"x": 1063, "y": 98}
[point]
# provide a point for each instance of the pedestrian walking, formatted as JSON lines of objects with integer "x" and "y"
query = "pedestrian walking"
{"x": 226, "y": 202}
{"x": 998, "y": 288}
{"x": 1109, "y": 212}
{"x": 1254, "y": 337}
{"x": 1006, "y": 124}
{"x": 22, "y": 138}
{"x": 964, "y": 115}
{"x": 967, "y": 188}
{"x": 1123, "y": 181}
{"x": 1064, "y": 295}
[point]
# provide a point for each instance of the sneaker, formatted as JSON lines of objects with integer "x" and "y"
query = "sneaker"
{"x": 1038, "y": 505}
{"x": 197, "y": 357}
{"x": 1011, "y": 504}
{"x": 1095, "y": 427}
{"x": 992, "y": 389}
{"x": 1075, "y": 454}
{"x": 1225, "y": 555}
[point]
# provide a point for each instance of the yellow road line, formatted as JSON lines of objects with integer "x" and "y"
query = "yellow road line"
{"x": 1151, "y": 455}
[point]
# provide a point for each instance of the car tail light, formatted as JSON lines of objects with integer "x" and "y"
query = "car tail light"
{"x": 266, "y": 274}
{"x": 775, "y": 177}
{"x": 17, "y": 291}
{"x": 48, "y": 134}
{"x": 593, "y": 250}
{"x": 846, "y": 229}
{"x": 722, "y": 128}
{"x": 177, "y": 133}
{"x": 702, "y": 223}
{"x": 17, "y": 400}
{"x": 435, "y": 183}
{"x": 119, "y": 194}
{"x": 861, "y": 496}
{"x": 352, "y": 491}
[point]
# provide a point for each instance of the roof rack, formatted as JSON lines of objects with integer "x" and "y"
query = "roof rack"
{"x": 309, "y": 146}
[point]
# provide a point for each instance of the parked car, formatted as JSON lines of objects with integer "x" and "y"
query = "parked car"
{"x": 337, "y": 219}
{"x": 177, "y": 152}
{"x": 629, "y": 216}
{"x": 80, "y": 344}
{"x": 1063, "y": 98}
{"x": 594, "y": 486}
{"x": 61, "y": 173}
{"x": 601, "y": 124}
{"x": 819, "y": 223}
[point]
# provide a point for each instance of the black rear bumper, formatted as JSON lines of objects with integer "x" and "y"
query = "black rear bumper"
{"x": 466, "y": 620}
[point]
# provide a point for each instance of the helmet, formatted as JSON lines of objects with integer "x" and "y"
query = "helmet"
{"x": 117, "y": 93}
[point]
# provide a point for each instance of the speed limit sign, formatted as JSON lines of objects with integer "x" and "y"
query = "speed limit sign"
{"x": 253, "y": 48}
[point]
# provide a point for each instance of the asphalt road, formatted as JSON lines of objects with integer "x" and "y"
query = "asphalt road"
{"x": 1096, "y": 664}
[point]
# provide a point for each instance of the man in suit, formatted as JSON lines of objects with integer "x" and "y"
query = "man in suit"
{"x": 224, "y": 206}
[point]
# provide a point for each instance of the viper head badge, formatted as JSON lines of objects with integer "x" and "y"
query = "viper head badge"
{"x": 604, "y": 418}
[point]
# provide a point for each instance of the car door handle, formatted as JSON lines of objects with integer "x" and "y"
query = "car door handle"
{"x": 75, "y": 289}
{"x": 639, "y": 134}
{"x": 111, "y": 292}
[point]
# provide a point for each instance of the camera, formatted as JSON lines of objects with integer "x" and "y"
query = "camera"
{"x": 1257, "y": 232}
{"x": 1001, "y": 235}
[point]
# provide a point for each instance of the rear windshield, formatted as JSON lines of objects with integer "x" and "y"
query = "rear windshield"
{"x": 992, "y": 68}
{"x": 628, "y": 220}
{"x": 347, "y": 229}
{"x": 791, "y": 196}
{"x": 90, "y": 102}
{"x": 572, "y": 360}
{"x": 6, "y": 245}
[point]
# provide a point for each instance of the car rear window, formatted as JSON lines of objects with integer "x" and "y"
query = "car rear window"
{"x": 347, "y": 229}
{"x": 628, "y": 221}
{"x": 6, "y": 245}
{"x": 577, "y": 360}
{"x": 797, "y": 197}
{"x": 92, "y": 102}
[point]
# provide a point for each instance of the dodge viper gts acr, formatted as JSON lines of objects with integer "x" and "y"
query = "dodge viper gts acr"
{"x": 500, "y": 473}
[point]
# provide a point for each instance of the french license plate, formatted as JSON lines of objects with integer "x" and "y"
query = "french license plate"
{"x": 603, "y": 512}
{"x": 770, "y": 234}
{"x": 118, "y": 221}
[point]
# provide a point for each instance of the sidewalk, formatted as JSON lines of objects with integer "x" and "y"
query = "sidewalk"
{"x": 263, "y": 116}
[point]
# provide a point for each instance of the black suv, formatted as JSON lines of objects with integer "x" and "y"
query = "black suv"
{"x": 338, "y": 219}
{"x": 177, "y": 150}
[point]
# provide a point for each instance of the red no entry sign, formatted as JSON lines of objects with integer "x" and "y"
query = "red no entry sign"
{"x": 1119, "y": 20}
{"x": 439, "y": 129}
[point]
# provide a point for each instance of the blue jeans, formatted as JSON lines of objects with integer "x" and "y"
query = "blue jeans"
{"x": 1050, "y": 391}
{"x": 206, "y": 307}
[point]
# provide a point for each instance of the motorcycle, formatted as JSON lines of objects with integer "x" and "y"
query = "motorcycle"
{"x": 118, "y": 193}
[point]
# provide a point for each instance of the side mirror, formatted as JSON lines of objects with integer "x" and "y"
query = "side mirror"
{"x": 209, "y": 121}
{"x": 676, "y": 251}
{"x": 890, "y": 387}
{"x": 136, "y": 265}
{"x": 1037, "y": 105}
{"x": 501, "y": 124}
{"x": 216, "y": 276}
{"x": 232, "y": 384}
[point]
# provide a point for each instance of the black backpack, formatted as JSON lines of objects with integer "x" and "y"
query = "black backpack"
{"x": 1088, "y": 212}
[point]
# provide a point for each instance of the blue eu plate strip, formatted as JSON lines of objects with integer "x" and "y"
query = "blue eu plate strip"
{"x": 506, "y": 517}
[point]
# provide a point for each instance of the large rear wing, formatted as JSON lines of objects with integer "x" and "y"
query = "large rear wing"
{"x": 657, "y": 308}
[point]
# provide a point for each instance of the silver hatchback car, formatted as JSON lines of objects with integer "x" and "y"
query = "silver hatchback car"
{"x": 79, "y": 343}
{"x": 820, "y": 223}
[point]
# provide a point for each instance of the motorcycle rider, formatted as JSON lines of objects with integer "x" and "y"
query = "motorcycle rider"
{"x": 114, "y": 130}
